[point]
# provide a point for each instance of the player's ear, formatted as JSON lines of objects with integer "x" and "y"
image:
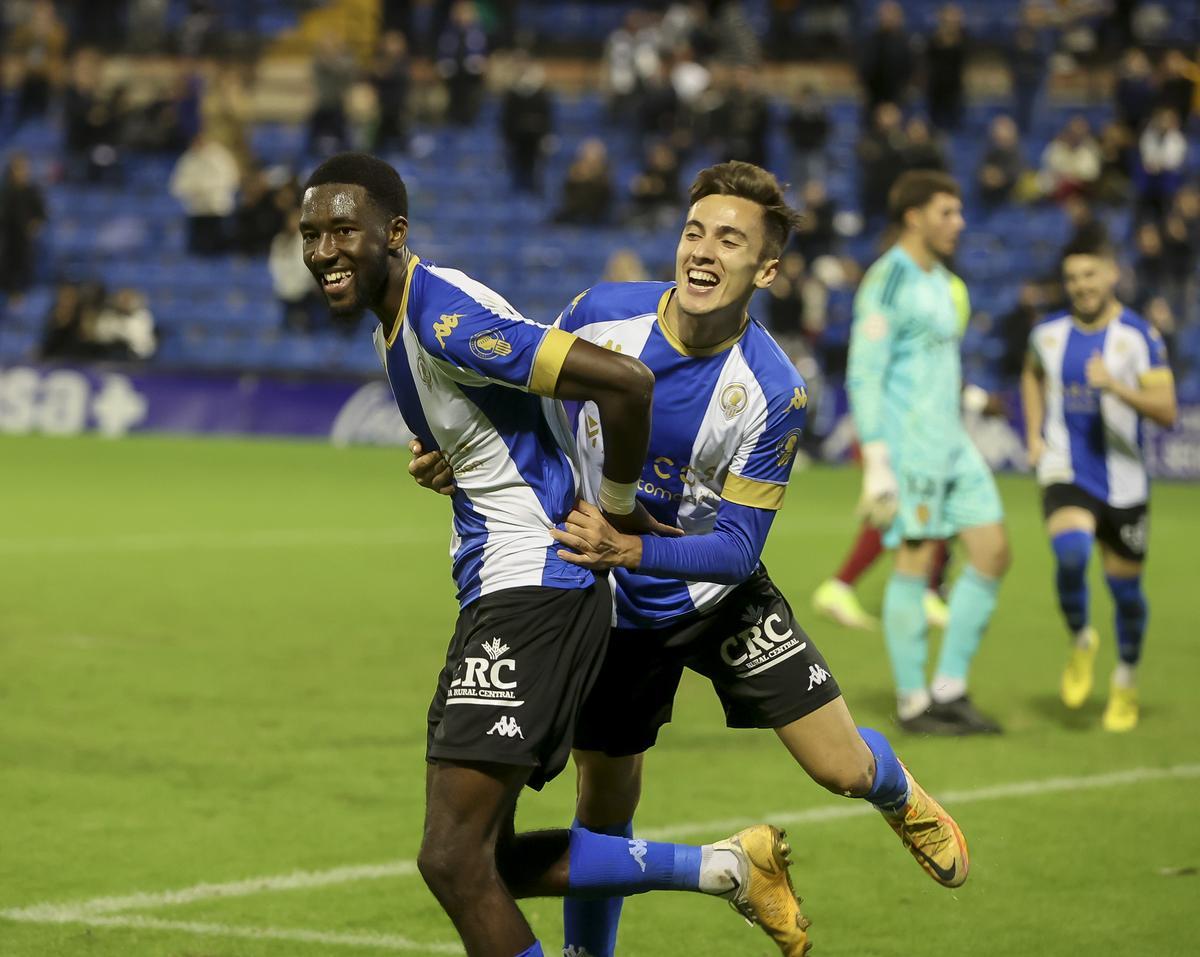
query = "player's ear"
{"x": 397, "y": 233}
{"x": 768, "y": 269}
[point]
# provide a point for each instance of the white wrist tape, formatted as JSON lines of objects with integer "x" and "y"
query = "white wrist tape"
{"x": 617, "y": 498}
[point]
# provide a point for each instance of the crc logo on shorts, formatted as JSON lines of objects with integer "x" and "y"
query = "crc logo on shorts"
{"x": 767, "y": 642}
{"x": 486, "y": 680}
{"x": 733, "y": 400}
{"x": 488, "y": 345}
{"x": 785, "y": 449}
{"x": 1134, "y": 536}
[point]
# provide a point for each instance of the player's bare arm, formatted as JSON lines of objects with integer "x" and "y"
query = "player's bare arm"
{"x": 1033, "y": 402}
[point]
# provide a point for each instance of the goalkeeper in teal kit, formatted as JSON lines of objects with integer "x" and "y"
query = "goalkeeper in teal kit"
{"x": 923, "y": 479}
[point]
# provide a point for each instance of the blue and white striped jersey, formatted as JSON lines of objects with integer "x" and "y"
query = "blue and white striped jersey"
{"x": 727, "y": 421}
{"x": 1094, "y": 440}
{"x": 466, "y": 369}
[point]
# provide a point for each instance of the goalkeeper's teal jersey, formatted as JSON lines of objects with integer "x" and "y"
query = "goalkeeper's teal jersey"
{"x": 904, "y": 375}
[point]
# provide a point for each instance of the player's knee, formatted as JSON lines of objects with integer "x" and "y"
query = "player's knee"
{"x": 450, "y": 870}
{"x": 1072, "y": 550}
{"x": 994, "y": 558}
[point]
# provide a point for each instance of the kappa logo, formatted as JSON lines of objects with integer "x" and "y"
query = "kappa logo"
{"x": 733, "y": 400}
{"x": 799, "y": 398}
{"x": 444, "y": 326}
{"x": 507, "y": 727}
{"x": 637, "y": 850}
{"x": 488, "y": 345}
{"x": 816, "y": 676}
{"x": 786, "y": 448}
{"x": 494, "y": 649}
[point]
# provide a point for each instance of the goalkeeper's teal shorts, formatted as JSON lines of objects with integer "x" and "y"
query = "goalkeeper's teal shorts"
{"x": 939, "y": 506}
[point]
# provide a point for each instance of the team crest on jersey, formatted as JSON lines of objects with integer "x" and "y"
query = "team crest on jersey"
{"x": 733, "y": 400}
{"x": 786, "y": 448}
{"x": 444, "y": 326}
{"x": 488, "y": 345}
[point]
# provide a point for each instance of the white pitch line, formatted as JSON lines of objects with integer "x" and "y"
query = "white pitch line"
{"x": 297, "y": 880}
{"x": 363, "y": 939}
{"x": 168, "y": 541}
{"x": 85, "y": 911}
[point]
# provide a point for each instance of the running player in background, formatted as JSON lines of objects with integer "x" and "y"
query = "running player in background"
{"x": 1092, "y": 375}
{"x": 729, "y": 411}
{"x": 923, "y": 479}
{"x": 467, "y": 372}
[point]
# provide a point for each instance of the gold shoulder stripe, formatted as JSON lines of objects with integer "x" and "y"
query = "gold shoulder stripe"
{"x": 548, "y": 362}
{"x": 753, "y": 494}
{"x": 399, "y": 320}
{"x": 1156, "y": 375}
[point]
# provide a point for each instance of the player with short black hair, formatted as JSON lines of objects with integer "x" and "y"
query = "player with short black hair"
{"x": 1092, "y": 375}
{"x": 468, "y": 373}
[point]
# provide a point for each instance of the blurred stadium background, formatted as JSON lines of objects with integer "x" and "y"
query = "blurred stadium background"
{"x": 215, "y": 654}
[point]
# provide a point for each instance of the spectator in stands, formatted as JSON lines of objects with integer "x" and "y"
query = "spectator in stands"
{"x": 1071, "y": 161}
{"x": 205, "y": 180}
{"x": 945, "y": 60}
{"x": 200, "y": 32}
{"x": 1135, "y": 90}
{"x": 657, "y": 106}
{"x": 300, "y": 301}
{"x": 334, "y": 72}
{"x": 625, "y": 265}
{"x": 690, "y": 79}
{"x": 1150, "y": 268}
{"x": 22, "y": 216}
{"x": 886, "y": 63}
{"x": 1013, "y": 328}
{"x": 462, "y": 62}
{"x": 630, "y": 55}
{"x": 526, "y": 121}
{"x": 816, "y": 236}
{"x": 588, "y": 192}
{"x": 655, "y": 190}
{"x": 124, "y": 328}
{"x": 391, "y": 75}
{"x": 879, "y": 158}
{"x": 1179, "y": 85}
{"x": 785, "y": 307}
{"x": 89, "y": 120}
{"x": 1003, "y": 163}
{"x": 226, "y": 110}
{"x": 1159, "y": 313}
{"x": 1162, "y": 153}
{"x": 808, "y": 127}
{"x": 737, "y": 43}
{"x": 1181, "y": 254}
{"x": 63, "y": 338}
{"x": 257, "y": 218}
{"x": 922, "y": 149}
{"x": 38, "y": 45}
{"x": 1027, "y": 57}
{"x": 1117, "y": 157}
{"x": 147, "y": 25}
{"x": 742, "y": 120}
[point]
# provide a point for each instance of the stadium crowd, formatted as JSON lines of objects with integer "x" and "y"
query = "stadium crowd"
{"x": 693, "y": 81}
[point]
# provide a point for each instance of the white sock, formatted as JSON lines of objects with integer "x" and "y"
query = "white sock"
{"x": 1124, "y": 676}
{"x": 909, "y": 704}
{"x": 948, "y": 689}
{"x": 1084, "y": 637}
{"x": 718, "y": 870}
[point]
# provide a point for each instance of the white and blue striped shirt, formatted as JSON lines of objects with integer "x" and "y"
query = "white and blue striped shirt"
{"x": 1094, "y": 440}
{"x": 466, "y": 369}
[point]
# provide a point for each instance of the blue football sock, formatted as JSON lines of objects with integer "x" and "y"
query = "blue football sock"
{"x": 534, "y": 951}
{"x": 602, "y": 866}
{"x": 904, "y": 630}
{"x": 1132, "y": 613}
{"x": 590, "y": 924}
{"x": 889, "y": 790}
{"x": 1072, "y": 550}
{"x": 972, "y": 601}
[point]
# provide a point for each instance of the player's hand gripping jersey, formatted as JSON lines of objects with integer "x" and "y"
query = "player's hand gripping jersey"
{"x": 727, "y": 424}
{"x": 466, "y": 370}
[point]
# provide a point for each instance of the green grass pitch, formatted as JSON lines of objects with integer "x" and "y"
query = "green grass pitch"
{"x": 216, "y": 656}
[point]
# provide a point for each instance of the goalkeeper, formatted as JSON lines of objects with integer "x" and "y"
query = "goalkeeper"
{"x": 923, "y": 479}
